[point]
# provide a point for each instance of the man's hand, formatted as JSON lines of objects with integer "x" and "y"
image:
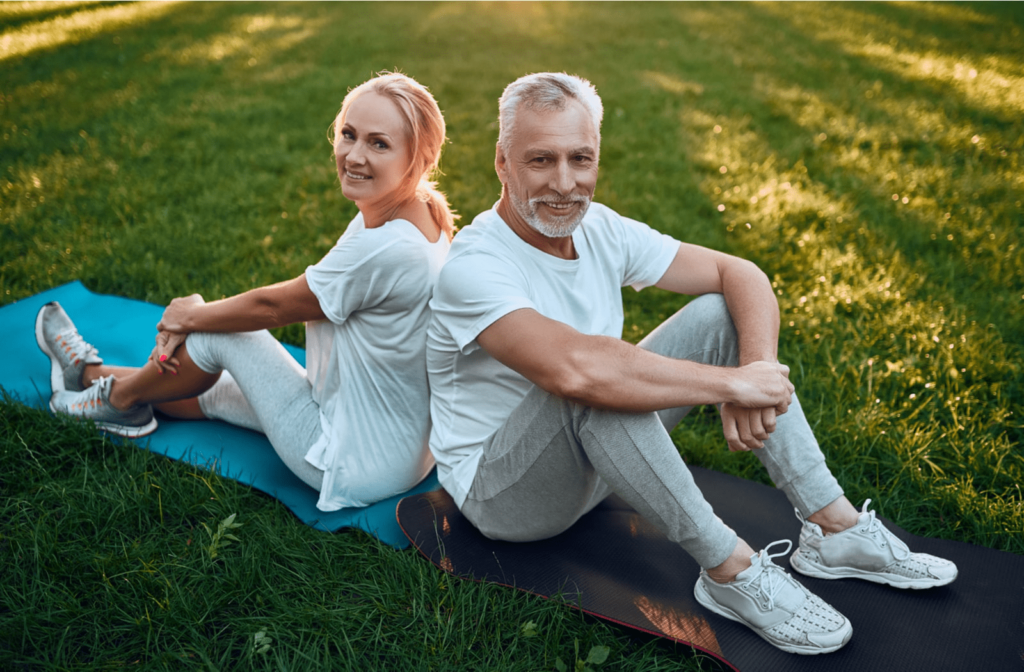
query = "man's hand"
{"x": 176, "y": 314}
{"x": 746, "y": 428}
{"x": 163, "y": 354}
{"x": 763, "y": 392}
{"x": 762, "y": 384}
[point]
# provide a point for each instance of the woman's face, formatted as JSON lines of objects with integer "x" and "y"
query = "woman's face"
{"x": 372, "y": 151}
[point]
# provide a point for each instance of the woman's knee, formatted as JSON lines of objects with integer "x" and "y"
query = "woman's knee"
{"x": 210, "y": 350}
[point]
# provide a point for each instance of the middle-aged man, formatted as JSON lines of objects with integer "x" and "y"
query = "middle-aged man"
{"x": 540, "y": 410}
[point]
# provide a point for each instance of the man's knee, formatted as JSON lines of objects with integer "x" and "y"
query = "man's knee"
{"x": 711, "y": 311}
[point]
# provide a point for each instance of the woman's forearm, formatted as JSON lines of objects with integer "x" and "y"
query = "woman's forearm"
{"x": 261, "y": 308}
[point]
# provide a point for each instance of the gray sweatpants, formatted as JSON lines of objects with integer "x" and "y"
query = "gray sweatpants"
{"x": 263, "y": 388}
{"x": 554, "y": 460}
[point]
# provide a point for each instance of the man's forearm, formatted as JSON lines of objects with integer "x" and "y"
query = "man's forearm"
{"x": 611, "y": 374}
{"x": 754, "y": 310}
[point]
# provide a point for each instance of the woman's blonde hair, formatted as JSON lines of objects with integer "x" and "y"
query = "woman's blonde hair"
{"x": 425, "y": 126}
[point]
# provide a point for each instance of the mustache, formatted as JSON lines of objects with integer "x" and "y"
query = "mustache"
{"x": 563, "y": 200}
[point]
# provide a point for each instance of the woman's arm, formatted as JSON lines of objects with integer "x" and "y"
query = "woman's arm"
{"x": 261, "y": 308}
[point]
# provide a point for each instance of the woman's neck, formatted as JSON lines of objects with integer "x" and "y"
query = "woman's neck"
{"x": 412, "y": 210}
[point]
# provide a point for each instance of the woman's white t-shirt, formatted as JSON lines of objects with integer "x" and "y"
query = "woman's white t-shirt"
{"x": 366, "y": 362}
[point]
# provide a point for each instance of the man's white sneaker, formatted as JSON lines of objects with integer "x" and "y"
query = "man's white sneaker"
{"x": 94, "y": 404}
{"x": 68, "y": 353}
{"x": 867, "y": 551}
{"x": 775, "y": 606}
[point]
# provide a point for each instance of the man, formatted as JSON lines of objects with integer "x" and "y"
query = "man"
{"x": 540, "y": 410}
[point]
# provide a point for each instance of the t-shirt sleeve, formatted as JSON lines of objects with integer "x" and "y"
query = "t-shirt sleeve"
{"x": 359, "y": 272}
{"x": 648, "y": 253}
{"x": 473, "y": 292}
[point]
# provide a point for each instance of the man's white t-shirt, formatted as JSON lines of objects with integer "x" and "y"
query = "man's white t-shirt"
{"x": 366, "y": 361}
{"x": 490, "y": 272}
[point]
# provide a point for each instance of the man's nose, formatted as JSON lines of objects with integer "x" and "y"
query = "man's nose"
{"x": 563, "y": 181}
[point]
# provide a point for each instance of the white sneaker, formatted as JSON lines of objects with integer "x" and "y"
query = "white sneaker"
{"x": 94, "y": 404}
{"x": 69, "y": 354}
{"x": 775, "y": 606}
{"x": 867, "y": 551}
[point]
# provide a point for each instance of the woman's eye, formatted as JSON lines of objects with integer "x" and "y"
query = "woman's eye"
{"x": 347, "y": 135}
{"x": 379, "y": 144}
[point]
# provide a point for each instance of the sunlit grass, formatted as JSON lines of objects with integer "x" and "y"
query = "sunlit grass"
{"x": 846, "y": 148}
{"x": 62, "y": 30}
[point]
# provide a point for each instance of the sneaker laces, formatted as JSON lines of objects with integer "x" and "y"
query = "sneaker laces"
{"x": 771, "y": 579}
{"x": 78, "y": 345}
{"x": 92, "y": 395}
{"x": 899, "y": 549}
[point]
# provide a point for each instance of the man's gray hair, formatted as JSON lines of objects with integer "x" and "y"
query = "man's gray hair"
{"x": 545, "y": 91}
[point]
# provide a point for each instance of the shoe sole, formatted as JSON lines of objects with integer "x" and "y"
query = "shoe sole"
{"x": 705, "y": 599}
{"x": 56, "y": 371}
{"x": 814, "y": 570}
{"x": 113, "y": 428}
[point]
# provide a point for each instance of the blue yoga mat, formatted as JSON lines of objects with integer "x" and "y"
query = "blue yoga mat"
{"x": 123, "y": 331}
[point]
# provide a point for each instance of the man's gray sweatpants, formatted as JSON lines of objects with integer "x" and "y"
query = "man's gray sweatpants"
{"x": 554, "y": 460}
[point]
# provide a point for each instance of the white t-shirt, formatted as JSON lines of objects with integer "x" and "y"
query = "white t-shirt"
{"x": 491, "y": 272}
{"x": 366, "y": 361}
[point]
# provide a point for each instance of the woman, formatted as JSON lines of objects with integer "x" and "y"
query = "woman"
{"x": 354, "y": 424}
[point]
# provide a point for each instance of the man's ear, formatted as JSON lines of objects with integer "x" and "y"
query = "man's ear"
{"x": 500, "y": 163}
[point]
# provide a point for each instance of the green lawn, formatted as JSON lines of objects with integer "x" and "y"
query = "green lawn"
{"x": 867, "y": 156}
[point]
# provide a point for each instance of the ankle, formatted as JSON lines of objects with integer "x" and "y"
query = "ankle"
{"x": 118, "y": 399}
{"x": 838, "y": 516}
{"x": 738, "y": 561}
{"x": 90, "y": 372}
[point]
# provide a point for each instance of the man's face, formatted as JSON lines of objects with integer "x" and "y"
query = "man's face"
{"x": 550, "y": 170}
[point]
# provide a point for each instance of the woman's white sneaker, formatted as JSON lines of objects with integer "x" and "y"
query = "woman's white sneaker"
{"x": 68, "y": 352}
{"x": 867, "y": 551}
{"x": 775, "y": 606}
{"x": 93, "y": 403}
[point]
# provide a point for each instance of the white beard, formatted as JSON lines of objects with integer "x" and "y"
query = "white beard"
{"x": 558, "y": 227}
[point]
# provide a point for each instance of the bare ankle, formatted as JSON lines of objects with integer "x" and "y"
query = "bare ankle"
{"x": 90, "y": 372}
{"x": 838, "y": 516}
{"x": 117, "y": 399}
{"x": 738, "y": 561}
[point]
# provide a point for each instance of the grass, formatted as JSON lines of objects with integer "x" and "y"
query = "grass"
{"x": 867, "y": 156}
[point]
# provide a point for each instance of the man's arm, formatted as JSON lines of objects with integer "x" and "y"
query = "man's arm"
{"x": 748, "y": 294}
{"x": 755, "y": 313}
{"x": 609, "y": 373}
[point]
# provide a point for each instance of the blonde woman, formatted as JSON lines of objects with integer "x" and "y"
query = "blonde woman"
{"x": 354, "y": 423}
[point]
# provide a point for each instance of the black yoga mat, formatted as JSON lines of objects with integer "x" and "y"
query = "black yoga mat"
{"x": 614, "y": 565}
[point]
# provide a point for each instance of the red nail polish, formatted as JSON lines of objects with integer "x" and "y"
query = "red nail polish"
{"x": 163, "y": 358}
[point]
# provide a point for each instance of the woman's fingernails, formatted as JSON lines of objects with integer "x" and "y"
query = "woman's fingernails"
{"x": 163, "y": 358}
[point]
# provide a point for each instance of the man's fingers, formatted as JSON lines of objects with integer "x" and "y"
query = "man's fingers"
{"x": 768, "y": 419}
{"x": 757, "y": 429}
{"x": 732, "y": 435}
{"x": 743, "y": 424}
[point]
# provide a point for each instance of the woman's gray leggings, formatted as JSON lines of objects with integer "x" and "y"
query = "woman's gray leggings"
{"x": 262, "y": 388}
{"x": 554, "y": 460}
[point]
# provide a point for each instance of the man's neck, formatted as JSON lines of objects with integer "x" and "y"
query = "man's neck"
{"x": 562, "y": 248}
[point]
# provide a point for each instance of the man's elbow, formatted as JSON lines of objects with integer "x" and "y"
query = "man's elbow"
{"x": 579, "y": 379}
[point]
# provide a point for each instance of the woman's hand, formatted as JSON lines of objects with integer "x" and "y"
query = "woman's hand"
{"x": 163, "y": 354}
{"x": 176, "y": 315}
